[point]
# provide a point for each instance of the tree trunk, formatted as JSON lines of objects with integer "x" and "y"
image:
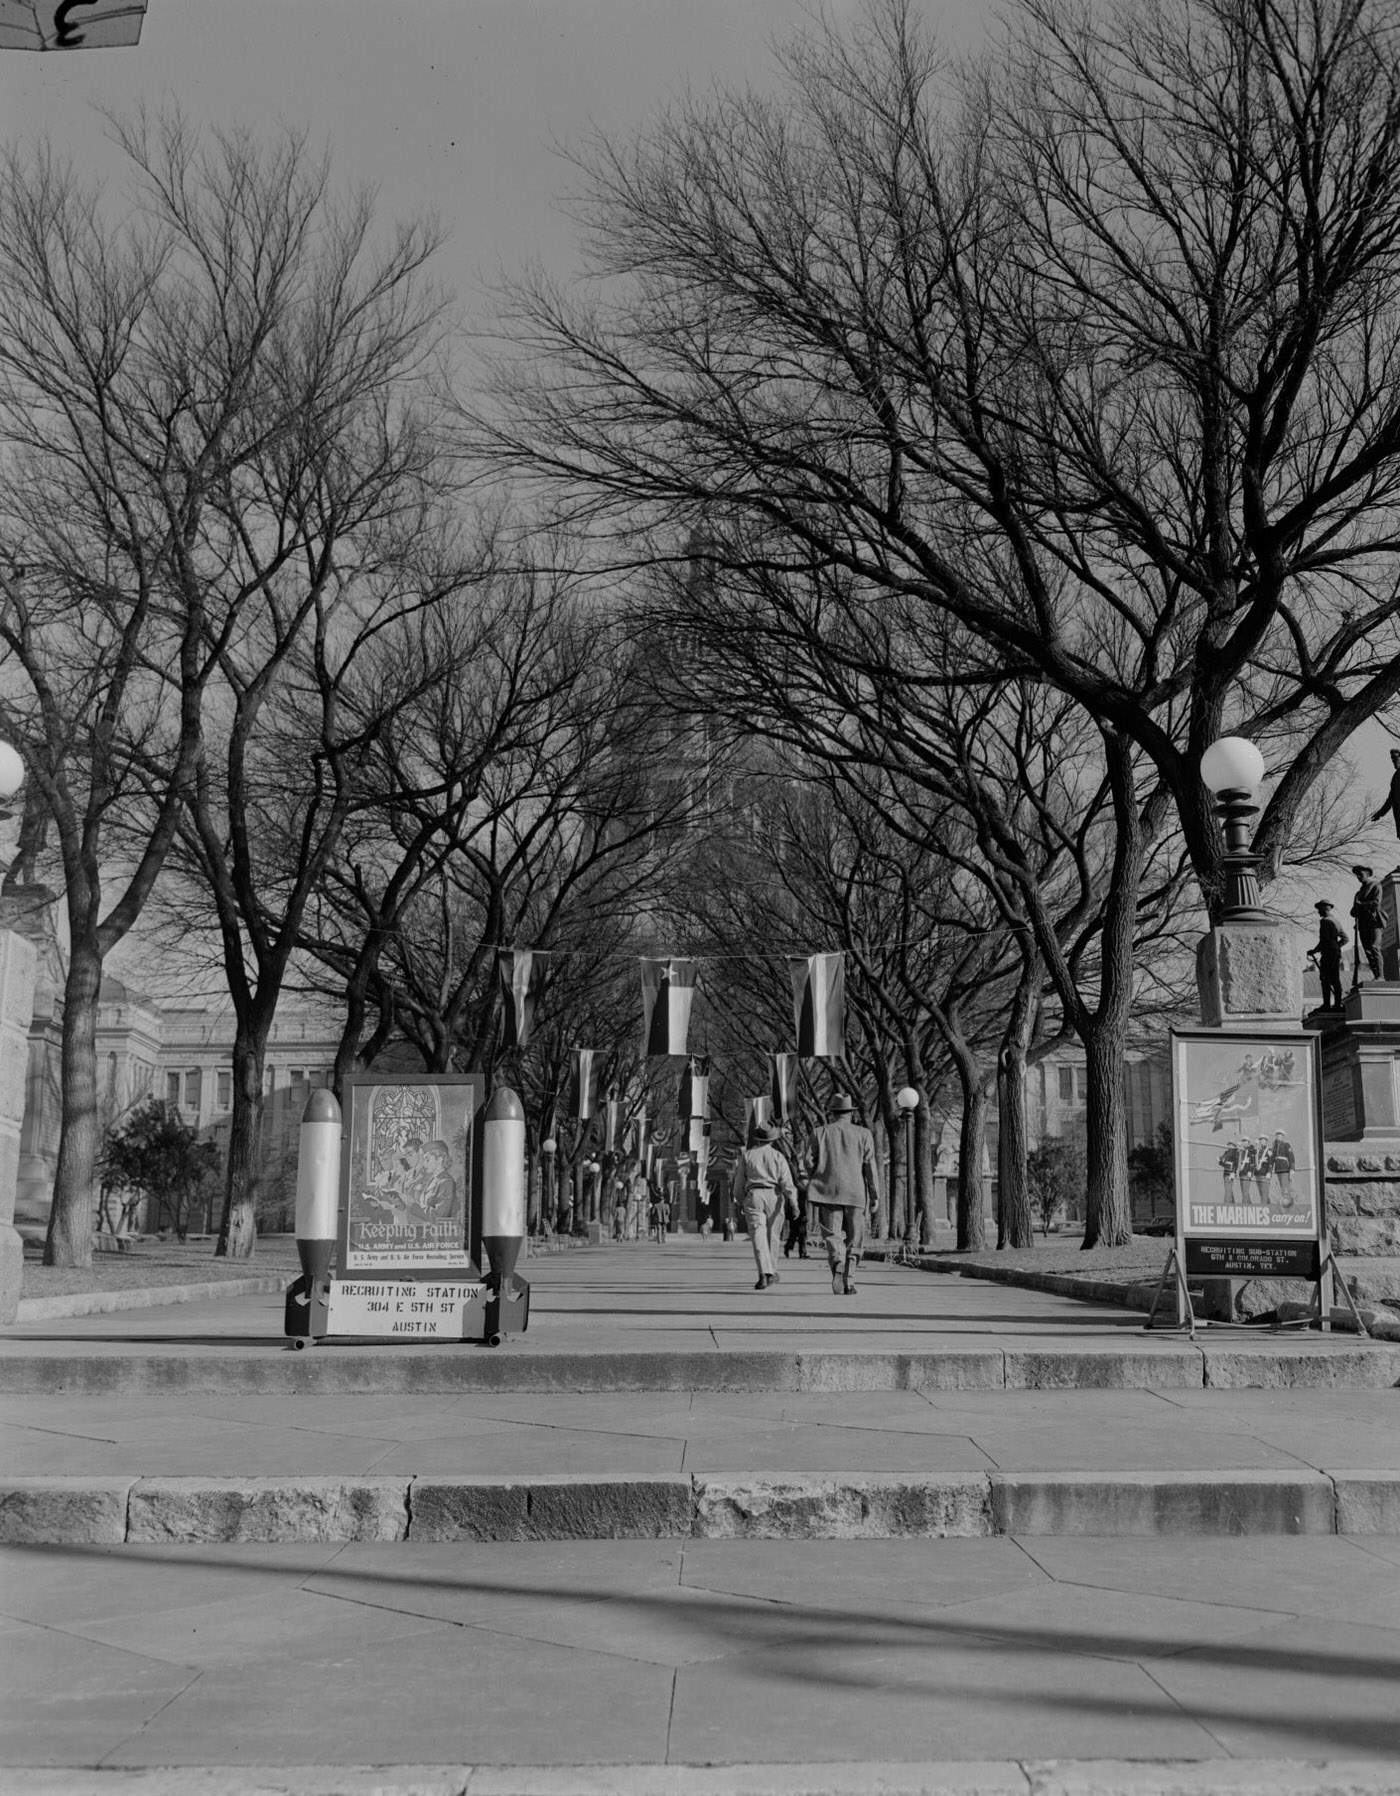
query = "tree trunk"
{"x": 1108, "y": 1211}
{"x": 972, "y": 1144}
{"x": 238, "y": 1232}
{"x": 69, "y": 1238}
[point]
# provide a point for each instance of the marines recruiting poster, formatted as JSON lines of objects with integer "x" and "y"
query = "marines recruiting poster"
{"x": 1248, "y": 1153}
{"x": 407, "y": 1171}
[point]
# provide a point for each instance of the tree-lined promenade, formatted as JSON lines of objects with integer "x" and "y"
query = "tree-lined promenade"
{"x": 934, "y": 460}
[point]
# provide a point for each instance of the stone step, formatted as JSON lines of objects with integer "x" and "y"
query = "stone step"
{"x": 108, "y": 1511}
{"x": 1231, "y": 1362}
{"x": 956, "y": 1777}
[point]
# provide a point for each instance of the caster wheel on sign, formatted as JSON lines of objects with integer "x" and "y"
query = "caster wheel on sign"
{"x": 493, "y": 1340}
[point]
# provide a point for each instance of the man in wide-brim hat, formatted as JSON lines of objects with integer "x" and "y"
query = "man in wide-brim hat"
{"x": 843, "y": 1180}
{"x": 763, "y": 1189}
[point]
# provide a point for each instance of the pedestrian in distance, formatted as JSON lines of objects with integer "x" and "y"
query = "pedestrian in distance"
{"x": 762, "y": 1186}
{"x": 843, "y": 1182}
{"x": 797, "y": 1228}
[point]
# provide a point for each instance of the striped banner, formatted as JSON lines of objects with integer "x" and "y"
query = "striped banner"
{"x": 668, "y": 987}
{"x": 785, "y": 1087}
{"x": 519, "y": 991}
{"x": 583, "y": 1083}
{"x": 694, "y": 1098}
{"x": 819, "y": 1003}
{"x": 758, "y": 1110}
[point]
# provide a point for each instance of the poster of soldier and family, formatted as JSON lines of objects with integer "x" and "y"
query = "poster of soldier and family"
{"x": 1247, "y": 1138}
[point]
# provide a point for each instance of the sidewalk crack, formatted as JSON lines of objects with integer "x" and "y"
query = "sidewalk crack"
{"x": 671, "y": 1713}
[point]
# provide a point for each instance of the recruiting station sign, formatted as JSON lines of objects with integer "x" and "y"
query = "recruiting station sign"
{"x": 1248, "y": 1152}
{"x": 408, "y": 1255}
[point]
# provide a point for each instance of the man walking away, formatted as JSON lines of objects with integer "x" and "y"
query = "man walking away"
{"x": 762, "y": 1186}
{"x": 843, "y": 1180}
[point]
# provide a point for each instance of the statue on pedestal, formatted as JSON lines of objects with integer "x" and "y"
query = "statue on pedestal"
{"x": 1391, "y": 807}
{"x": 1370, "y": 921}
{"x": 1327, "y": 955}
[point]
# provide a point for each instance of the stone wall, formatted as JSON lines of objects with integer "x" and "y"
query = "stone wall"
{"x": 1363, "y": 1216}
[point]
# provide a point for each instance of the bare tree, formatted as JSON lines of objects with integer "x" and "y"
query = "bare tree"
{"x": 1086, "y": 354}
{"x": 171, "y": 387}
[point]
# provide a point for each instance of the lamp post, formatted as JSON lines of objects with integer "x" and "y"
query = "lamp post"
{"x": 549, "y": 1147}
{"x": 1231, "y": 769}
{"x": 907, "y": 1099}
{"x": 11, "y": 774}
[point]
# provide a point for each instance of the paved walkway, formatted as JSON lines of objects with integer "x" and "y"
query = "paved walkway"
{"x": 702, "y": 1653}
{"x": 1189, "y": 1663}
{"x": 686, "y": 1317}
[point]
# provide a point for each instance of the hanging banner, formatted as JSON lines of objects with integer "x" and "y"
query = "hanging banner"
{"x": 612, "y": 1126}
{"x": 699, "y": 1135}
{"x": 583, "y": 1083}
{"x": 757, "y": 1110}
{"x": 819, "y": 1004}
{"x": 70, "y": 24}
{"x": 694, "y": 1099}
{"x": 785, "y": 1087}
{"x": 519, "y": 993}
{"x": 668, "y": 987}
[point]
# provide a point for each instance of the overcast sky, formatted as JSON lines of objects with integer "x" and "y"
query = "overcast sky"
{"x": 445, "y": 105}
{"x": 451, "y": 106}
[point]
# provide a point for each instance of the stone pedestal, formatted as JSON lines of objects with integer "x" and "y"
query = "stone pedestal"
{"x": 1249, "y": 975}
{"x": 1361, "y": 1065}
{"x": 17, "y": 963}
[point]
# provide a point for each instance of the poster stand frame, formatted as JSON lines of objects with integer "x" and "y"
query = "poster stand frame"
{"x": 1319, "y": 1310}
{"x": 309, "y": 1317}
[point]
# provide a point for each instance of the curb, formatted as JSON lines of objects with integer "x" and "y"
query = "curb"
{"x": 105, "y": 1303}
{"x": 1007, "y": 1777}
{"x": 135, "y": 1511}
{"x": 1381, "y": 1325}
{"x": 30, "y": 1367}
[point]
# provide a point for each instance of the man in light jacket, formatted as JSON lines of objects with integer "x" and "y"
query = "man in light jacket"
{"x": 843, "y": 1181}
{"x": 762, "y": 1187}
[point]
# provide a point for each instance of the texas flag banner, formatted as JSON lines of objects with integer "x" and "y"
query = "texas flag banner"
{"x": 694, "y": 1099}
{"x": 668, "y": 987}
{"x": 583, "y": 1083}
{"x": 520, "y": 984}
{"x": 757, "y": 1110}
{"x": 785, "y": 1087}
{"x": 819, "y": 1003}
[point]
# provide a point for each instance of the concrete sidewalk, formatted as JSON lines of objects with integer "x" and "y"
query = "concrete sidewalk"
{"x": 686, "y": 1317}
{"x": 976, "y": 1659}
